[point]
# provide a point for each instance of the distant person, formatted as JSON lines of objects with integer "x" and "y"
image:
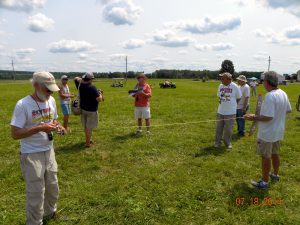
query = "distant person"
{"x": 243, "y": 104}
{"x": 253, "y": 85}
{"x": 270, "y": 128}
{"x": 89, "y": 101}
{"x": 142, "y": 103}
{"x": 65, "y": 100}
{"x": 33, "y": 121}
{"x": 229, "y": 95}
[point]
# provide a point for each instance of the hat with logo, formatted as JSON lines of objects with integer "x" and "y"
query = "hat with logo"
{"x": 46, "y": 79}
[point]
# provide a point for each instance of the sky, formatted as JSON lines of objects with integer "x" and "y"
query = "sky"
{"x": 97, "y": 35}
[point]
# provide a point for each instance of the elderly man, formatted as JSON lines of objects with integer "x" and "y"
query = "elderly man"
{"x": 243, "y": 104}
{"x": 271, "y": 128}
{"x": 34, "y": 119}
{"x": 89, "y": 101}
{"x": 65, "y": 100}
{"x": 229, "y": 95}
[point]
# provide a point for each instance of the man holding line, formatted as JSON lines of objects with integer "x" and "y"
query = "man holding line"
{"x": 270, "y": 128}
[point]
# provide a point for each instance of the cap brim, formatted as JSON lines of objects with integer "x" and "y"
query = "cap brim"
{"x": 52, "y": 87}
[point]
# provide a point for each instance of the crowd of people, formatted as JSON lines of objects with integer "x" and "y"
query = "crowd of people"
{"x": 35, "y": 118}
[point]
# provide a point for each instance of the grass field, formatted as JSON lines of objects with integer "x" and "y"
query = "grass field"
{"x": 173, "y": 177}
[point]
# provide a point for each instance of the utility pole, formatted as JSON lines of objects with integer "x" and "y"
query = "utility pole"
{"x": 126, "y": 62}
{"x": 13, "y": 69}
{"x": 269, "y": 65}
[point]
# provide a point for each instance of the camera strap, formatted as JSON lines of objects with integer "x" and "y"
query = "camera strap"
{"x": 41, "y": 111}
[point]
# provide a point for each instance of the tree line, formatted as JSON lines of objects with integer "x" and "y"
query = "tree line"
{"x": 161, "y": 74}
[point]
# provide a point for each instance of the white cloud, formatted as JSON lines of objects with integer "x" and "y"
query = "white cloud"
{"x": 133, "y": 43}
{"x": 83, "y": 56}
{"x": 160, "y": 60}
{"x": 68, "y": 46}
{"x": 261, "y": 56}
{"x": 169, "y": 38}
{"x": 206, "y": 26}
{"x": 292, "y": 6}
{"x": 293, "y": 32}
{"x": 39, "y": 23}
{"x": 214, "y": 47}
{"x": 117, "y": 56}
{"x": 22, "y": 54}
{"x": 22, "y": 5}
{"x": 121, "y": 12}
{"x": 288, "y": 37}
{"x": 183, "y": 52}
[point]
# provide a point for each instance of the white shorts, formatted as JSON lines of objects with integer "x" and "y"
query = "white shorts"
{"x": 142, "y": 113}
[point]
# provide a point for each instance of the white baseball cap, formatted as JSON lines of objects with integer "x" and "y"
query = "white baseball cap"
{"x": 46, "y": 79}
{"x": 64, "y": 77}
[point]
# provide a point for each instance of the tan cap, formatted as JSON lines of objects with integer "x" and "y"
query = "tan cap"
{"x": 46, "y": 79}
{"x": 228, "y": 75}
{"x": 242, "y": 78}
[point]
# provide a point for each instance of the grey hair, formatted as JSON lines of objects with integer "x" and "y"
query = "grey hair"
{"x": 272, "y": 78}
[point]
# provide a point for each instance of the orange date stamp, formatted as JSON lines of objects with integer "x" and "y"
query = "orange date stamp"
{"x": 256, "y": 201}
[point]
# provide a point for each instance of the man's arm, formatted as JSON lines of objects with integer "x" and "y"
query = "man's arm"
{"x": 20, "y": 133}
{"x": 246, "y": 103}
{"x": 261, "y": 118}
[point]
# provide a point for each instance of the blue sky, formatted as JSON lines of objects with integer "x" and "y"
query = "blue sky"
{"x": 96, "y": 35}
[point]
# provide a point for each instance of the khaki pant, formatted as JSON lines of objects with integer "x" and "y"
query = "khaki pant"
{"x": 267, "y": 149}
{"x": 224, "y": 128}
{"x": 39, "y": 171}
{"x": 89, "y": 119}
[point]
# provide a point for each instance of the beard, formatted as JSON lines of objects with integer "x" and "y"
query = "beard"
{"x": 42, "y": 96}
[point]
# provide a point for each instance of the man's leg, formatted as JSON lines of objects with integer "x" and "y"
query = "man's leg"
{"x": 238, "y": 121}
{"x": 228, "y": 128}
{"x": 51, "y": 185}
{"x": 148, "y": 124}
{"x": 33, "y": 169}
{"x": 140, "y": 123}
{"x": 266, "y": 168}
{"x": 88, "y": 136}
{"x": 66, "y": 121}
{"x": 219, "y": 130}
{"x": 276, "y": 163}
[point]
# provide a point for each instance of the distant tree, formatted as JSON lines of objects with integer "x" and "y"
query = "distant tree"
{"x": 227, "y": 67}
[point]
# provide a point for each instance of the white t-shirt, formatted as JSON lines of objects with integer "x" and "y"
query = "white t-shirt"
{"x": 275, "y": 105}
{"x": 27, "y": 114}
{"x": 245, "y": 91}
{"x": 253, "y": 84}
{"x": 227, "y": 98}
{"x": 65, "y": 91}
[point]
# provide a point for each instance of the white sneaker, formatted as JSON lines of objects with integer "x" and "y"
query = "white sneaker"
{"x": 138, "y": 132}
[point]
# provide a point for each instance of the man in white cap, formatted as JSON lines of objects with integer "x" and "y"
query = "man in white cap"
{"x": 229, "y": 95}
{"x": 33, "y": 122}
{"x": 243, "y": 105}
{"x": 65, "y": 100}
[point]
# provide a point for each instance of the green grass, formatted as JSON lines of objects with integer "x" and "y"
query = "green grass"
{"x": 175, "y": 177}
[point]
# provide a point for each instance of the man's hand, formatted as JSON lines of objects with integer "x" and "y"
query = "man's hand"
{"x": 48, "y": 127}
{"x": 250, "y": 117}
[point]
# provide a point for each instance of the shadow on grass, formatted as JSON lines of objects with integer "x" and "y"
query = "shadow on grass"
{"x": 244, "y": 195}
{"x": 67, "y": 149}
{"x": 210, "y": 151}
{"x": 236, "y": 137}
{"x": 125, "y": 137}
